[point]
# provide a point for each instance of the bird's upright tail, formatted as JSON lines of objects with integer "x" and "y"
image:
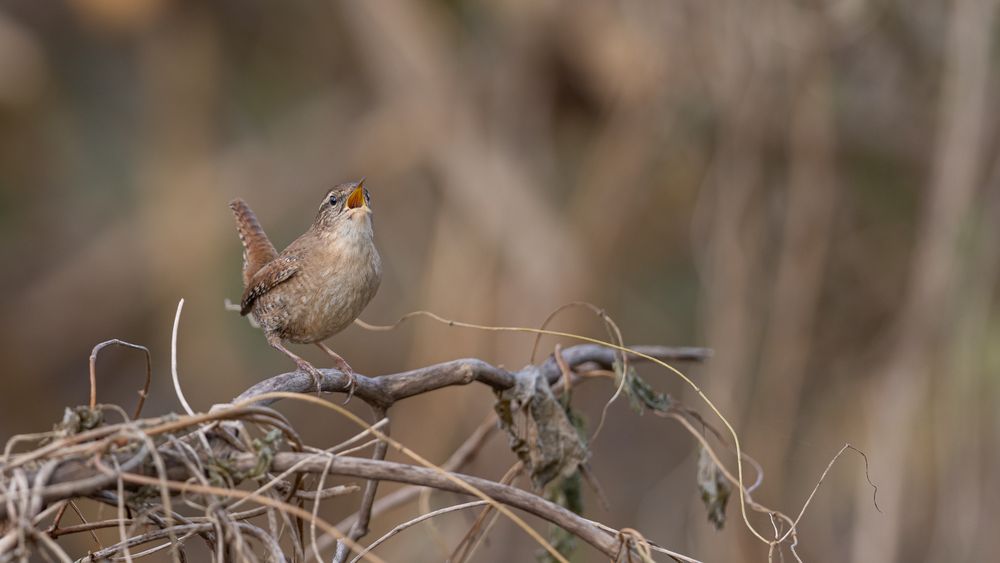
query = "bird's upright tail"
{"x": 257, "y": 248}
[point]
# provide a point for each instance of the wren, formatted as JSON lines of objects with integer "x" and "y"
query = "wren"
{"x": 319, "y": 284}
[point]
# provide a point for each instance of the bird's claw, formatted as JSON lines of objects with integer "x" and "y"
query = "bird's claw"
{"x": 352, "y": 383}
{"x": 306, "y": 367}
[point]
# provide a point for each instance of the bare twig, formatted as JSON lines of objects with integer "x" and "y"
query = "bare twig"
{"x": 315, "y": 513}
{"x": 173, "y": 360}
{"x": 458, "y": 459}
{"x": 93, "y": 372}
{"x": 360, "y": 527}
{"x": 121, "y": 512}
{"x": 400, "y": 527}
{"x": 470, "y": 542}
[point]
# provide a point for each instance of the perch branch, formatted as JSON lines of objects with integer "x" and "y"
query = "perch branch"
{"x": 384, "y": 391}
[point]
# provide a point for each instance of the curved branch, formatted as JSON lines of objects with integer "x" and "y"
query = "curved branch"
{"x": 403, "y": 473}
{"x": 385, "y": 390}
{"x": 385, "y": 471}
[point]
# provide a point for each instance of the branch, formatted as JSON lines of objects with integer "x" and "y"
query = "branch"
{"x": 403, "y": 473}
{"x": 385, "y": 390}
{"x": 77, "y": 462}
{"x": 380, "y": 470}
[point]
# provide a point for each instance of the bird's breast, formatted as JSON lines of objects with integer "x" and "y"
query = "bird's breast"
{"x": 330, "y": 290}
{"x": 345, "y": 283}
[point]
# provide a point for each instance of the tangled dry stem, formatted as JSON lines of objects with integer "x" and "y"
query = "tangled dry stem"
{"x": 173, "y": 478}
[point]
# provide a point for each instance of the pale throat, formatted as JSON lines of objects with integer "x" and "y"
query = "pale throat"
{"x": 352, "y": 234}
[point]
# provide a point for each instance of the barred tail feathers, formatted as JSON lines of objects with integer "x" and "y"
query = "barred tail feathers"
{"x": 257, "y": 248}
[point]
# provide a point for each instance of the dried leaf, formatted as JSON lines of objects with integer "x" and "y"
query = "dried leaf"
{"x": 640, "y": 395}
{"x": 76, "y": 420}
{"x": 715, "y": 490}
{"x": 567, "y": 493}
{"x": 538, "y": 429}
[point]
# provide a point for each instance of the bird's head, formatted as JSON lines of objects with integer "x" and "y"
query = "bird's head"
{"x": 346, "y": 209}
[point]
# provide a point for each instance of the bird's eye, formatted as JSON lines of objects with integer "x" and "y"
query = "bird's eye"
{"x": 333, "y": 201}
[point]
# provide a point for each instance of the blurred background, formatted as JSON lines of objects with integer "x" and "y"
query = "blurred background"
{"x": 812, "y": 189}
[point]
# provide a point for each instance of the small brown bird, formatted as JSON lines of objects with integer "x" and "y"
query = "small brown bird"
{"x": 320, "y": 283}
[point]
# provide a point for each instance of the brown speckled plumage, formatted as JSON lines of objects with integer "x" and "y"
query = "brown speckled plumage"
{"x": 319, "y": 284}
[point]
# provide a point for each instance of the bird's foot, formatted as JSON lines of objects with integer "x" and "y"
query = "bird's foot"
{"x": 311, "y": 370}
{"x": 352, "y": 381}
{"x": 345, "y": 368}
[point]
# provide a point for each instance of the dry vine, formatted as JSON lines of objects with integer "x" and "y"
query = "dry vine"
{"x": 173, "y": 479}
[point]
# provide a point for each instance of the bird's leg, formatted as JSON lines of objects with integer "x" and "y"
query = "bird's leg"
{"x": 303, "y": 365}
{"x": 343, "y": 366}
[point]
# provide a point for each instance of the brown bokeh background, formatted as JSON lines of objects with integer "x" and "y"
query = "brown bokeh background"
{"x": 812, "y": 189}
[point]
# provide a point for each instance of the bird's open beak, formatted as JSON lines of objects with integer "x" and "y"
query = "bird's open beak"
{"x": 357, "y": 197}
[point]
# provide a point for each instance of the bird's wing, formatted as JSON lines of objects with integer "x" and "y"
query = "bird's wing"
{"x": 257, "y": 248}
{"x": 267, "y": 278}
